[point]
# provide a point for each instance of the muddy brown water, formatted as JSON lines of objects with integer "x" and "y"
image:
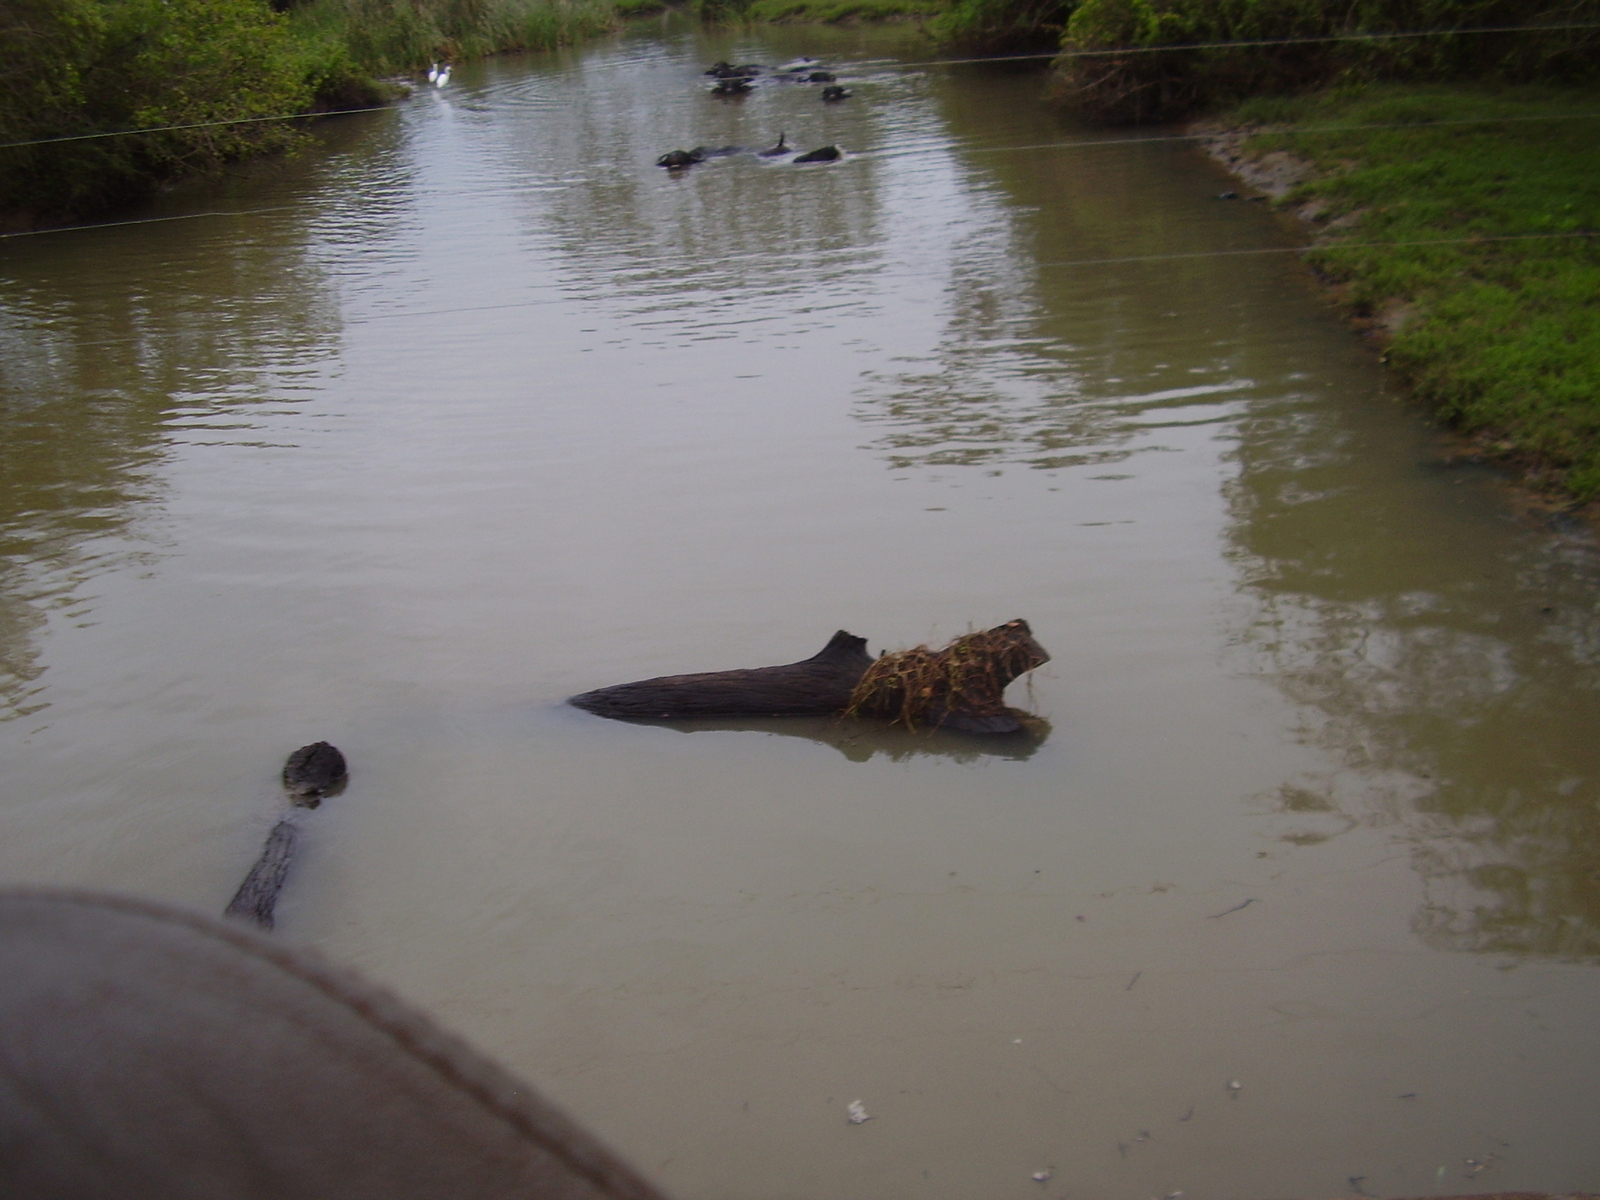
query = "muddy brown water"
{"x": 472, "y": 408}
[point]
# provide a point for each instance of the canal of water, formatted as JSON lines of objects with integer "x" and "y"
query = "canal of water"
{"x": 472, "y": 407}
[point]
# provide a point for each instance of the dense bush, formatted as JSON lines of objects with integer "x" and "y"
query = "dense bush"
{"x": 72, "y": 68}
{"x": 1168, "y": 84}
{"x": 399, "y": 35}
{"x": 1003, "y": 26}
{"x": 75, "y": 67}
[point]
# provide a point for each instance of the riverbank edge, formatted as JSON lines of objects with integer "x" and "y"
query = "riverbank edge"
{"x": 1277, "y": 176}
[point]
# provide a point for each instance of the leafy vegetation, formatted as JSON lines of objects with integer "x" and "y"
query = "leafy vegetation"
{"x": 398, "y": 35}
{"x": 77, "y": 67}
{"x": 842, "y": 10}
{"x": 820, "y": 11}
{"x": 1003, "y": 26}
{"x": 1505, "y": 336}
{"x": 1167, "y": 84}
{"x": 72, "y": 70}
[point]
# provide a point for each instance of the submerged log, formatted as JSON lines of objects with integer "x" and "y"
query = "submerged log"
{"x": 814, "y": 686}
{"x": 960, "y": 687}
{"x": 257, "y": 896}
{"x": 311, "y": 773}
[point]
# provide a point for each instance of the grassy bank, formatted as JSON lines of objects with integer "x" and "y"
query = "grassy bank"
{"x": 75, "y": 71}
{"x": 1500, "y": 333}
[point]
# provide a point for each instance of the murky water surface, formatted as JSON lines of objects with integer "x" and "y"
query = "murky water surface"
{"x": 474, "y": 408}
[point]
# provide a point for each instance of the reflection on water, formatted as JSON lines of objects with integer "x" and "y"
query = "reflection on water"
{"x": 860, "y": 740}
{"x": 1462, "y": 701}
{"x": 1453, "y": 669}
{"x": 489, "y": 408}
{"x": 1050, "y": 359}
{"x": 108, "y": 362}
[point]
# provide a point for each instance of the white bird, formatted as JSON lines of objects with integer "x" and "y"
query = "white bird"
{"x": 443, "y": 77}
{"x": 433, "y": 73}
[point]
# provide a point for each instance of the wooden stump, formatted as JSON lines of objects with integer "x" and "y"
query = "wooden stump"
{"x": 258, "y": 894}
{"x": 960, "y": 687}
{"x": 814, "y": 686}
{"x": 311, "y": 773}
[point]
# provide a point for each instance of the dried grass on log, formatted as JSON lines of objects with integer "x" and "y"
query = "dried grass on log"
{"x": 959, "y": 687}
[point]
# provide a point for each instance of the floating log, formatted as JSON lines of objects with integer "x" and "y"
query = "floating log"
{"x": 960, "y": 687}
{"x": 814, "y": 686}
{"x": 311, "y": 773}
{"x": 258, "y": 894}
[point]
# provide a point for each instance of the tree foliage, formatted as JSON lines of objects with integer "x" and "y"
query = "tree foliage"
{"x": 1164, "y": 85}
{"x": 1003, "y": 26}
{"x": 82, "y": 67}
{"x": 72, "y": 71}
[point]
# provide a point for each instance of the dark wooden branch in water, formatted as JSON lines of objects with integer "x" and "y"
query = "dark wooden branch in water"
{"x": 960, "y": 687}
{"x": 815, "y": 686}
{"x": 311, "y": 773}
{"x": 258, "y": 894}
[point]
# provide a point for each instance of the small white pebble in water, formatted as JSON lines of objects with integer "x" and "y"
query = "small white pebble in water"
{"x": 858, "y": 1112}
{"x": 1043, "y": 1176}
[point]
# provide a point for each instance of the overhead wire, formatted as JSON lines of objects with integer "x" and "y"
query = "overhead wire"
{"x": 1125, "y": 260}
{"x": 1114, "y": 51}
{"x": 1488, "y": 237}
{"x": 89, "y": 137}
{"x": 1117, "y": 51}
{"x": 222, "y": 212}
{"x": 892, "y": 151}
{"x": 1087, "y": 143}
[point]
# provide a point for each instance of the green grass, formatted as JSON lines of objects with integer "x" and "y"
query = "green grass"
{"x": 1505, "y": 340}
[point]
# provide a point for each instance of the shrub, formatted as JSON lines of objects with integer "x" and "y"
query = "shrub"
{"x": 1166, "y": 85}
{"x": 400, "y": 35}
{"x": 1003, "y": 26}
{"x": 76, "y": 67}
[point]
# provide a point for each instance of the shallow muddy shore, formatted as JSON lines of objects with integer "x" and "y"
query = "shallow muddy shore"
{"x": 1272, "y": 178}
